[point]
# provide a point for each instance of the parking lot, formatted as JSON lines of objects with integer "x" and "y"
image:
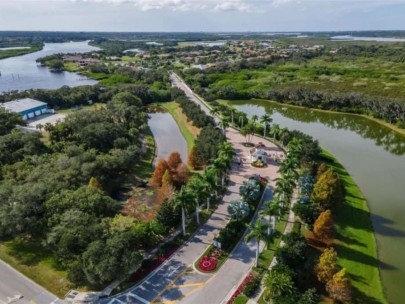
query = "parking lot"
{"x": 44, "y": 119}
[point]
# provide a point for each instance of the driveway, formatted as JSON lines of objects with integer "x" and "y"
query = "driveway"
{"x": 13, "y": 284}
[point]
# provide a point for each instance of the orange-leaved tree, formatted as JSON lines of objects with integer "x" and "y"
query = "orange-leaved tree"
{"x": 174, "y": 160}
{"x": 340, "y": 287}
{"x": 160, "y": 169}
{"x": 327, "y": 265}
{"x": 324, "y": 227}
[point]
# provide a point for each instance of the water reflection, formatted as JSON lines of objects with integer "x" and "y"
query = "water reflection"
{"x": 167, "y": 136}
{"x": 382, "y": 136}
{"x": 374, "y": 156}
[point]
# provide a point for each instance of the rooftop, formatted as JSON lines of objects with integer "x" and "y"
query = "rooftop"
{"x": 21, "y": 105}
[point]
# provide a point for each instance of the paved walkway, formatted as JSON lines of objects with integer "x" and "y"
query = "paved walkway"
{"x": 176, "y": 279}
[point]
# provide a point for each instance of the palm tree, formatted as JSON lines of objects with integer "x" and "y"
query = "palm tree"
{"x": 289, "y": 167}
{"x": 224, "y": 123}
{"x": 282, "y": 133}
{"x": 284, "y": 188}
{"x": 233, "y": 112}
{"x": 265, "y": 120}
{"x": 275, "y": 129}
{"x": 242, "y": 119}
{"x": 182, "y": 200}
{"x": 227, "y": 151}
{"x": 220, "y": 166}
{"x": 210, "y": 178}
{"x": 278, "y": 284}
{"x": 258, "y": 231}
{"x": 295, "y": 146}
{"x": 39, "y": 127}
{"x": 255, "y": 118}
{"x": 197, "y": 187}
{"x": 214, "y": 111}
{"x": 272, "y": 209}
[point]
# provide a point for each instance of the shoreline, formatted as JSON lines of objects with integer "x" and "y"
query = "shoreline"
{"x": 379, "y": 121}
{"x": 363, "y": 238}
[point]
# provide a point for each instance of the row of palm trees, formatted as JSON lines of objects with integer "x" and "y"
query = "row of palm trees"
{"x": 277, "y": 207}
{"x": 205, "y": 186}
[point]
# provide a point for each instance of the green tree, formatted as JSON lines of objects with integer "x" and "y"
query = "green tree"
{"x": 265, "y": 120}
{"x": 8, "y": 121}
{"x": 278, "y": 285}
{"x": 238, "y": 209}
{"x": 181, "y": 201}
{"x": 250, "y": 191}
{"x": 258, "y": 232}
{"x": 273, "y": 210}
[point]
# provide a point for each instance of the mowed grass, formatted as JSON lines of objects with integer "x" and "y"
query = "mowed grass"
{"x": 35, "y": 262}
{"x": 355, "y": 241}
{"x": 189, "y": 131}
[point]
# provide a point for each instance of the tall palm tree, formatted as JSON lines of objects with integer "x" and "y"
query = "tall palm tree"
{"x": 295, "y": 146}
{"x": 282, "y": 133}
{"x": 258, "y": 231}
{"x": 272, "y": 209}
{"x": 265, "y": 120}
{"x": 211, "y": 180}
{"x": 284, "y": 188}
{"x": 220, "y": 166}
{"x": 255, "y": 118}
{"x": 242, "y": 119}
{"x": 227, "y": 151}
{"x": 182, "y": 201}
{"x": 233, "y": 112}
{"x": 197, "y": 187}
{"x": 224, "y": 123}
{"x": 275, "y": 128}
{"x": 289, "y": 167}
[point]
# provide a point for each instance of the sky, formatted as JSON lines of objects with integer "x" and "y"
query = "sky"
{"x": 202, "y": 15}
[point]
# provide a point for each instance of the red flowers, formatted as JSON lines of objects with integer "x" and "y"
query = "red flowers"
{"x": 208, "y": 263}
{"x": 238, "y": 291}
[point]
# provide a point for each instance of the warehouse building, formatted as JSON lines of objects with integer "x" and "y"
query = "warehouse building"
{"x": 26, "y": 107}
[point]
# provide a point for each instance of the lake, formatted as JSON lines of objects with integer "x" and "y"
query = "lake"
{"x": 379, "y": 39}
{"x": 23, "y": 72}
{"x": 374, "y": 155}
{"x": 167, "y": 136}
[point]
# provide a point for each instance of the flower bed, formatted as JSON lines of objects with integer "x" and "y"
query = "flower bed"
{"x": 149, "y": 265}
{"x": 240, "y": 289}
{"x": 259, "y": 164}
{"x": 208, "y": 263}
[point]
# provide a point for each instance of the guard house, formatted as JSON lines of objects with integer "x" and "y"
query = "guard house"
{"x": 258, "y": 153}
{"x": 26, "y": 107}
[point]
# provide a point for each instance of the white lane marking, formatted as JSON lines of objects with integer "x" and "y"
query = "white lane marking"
{"x": 139, "y": 298}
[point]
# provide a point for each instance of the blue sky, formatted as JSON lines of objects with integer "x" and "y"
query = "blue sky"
{"x": 202, "y": 15}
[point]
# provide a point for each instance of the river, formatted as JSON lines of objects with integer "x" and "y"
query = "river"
{"x": 374, "y": 155}
{"x": 167, "y": 136}
{"x": 23, "y": 73}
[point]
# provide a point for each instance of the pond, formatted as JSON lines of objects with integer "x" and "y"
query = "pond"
{"x": 23, "y": 72}
{"x": 167, "y": 136}
{"x": 374, "y": 155}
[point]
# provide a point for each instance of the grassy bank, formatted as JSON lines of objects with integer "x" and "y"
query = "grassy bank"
{"x": 35, "y": 262}
{"x": 189, "y": 131}
{"x": 13, "y": 53}
{"x": 355, "y": 241}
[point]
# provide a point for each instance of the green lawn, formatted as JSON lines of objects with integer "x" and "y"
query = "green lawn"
{"x": 71, "y": 67}
{"x": 189, "y": 131}
{"x": 38, "y": 264}
{"x": 356, "y": 244}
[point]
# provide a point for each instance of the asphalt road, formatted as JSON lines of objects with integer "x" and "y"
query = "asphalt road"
{"x": 14, "y": 284}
